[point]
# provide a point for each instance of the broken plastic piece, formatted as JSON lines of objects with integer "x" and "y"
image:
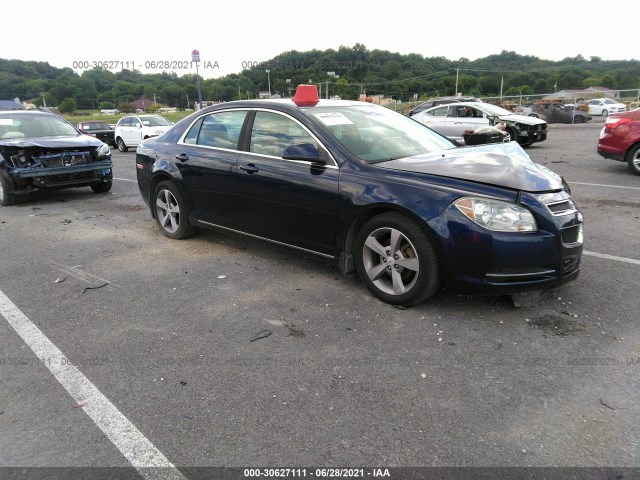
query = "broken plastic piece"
{"x": 261, "y": 334}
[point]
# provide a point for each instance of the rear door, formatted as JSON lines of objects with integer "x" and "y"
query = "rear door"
{"x": 207, "y": 163}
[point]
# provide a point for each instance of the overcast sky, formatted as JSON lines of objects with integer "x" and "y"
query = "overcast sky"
{"x": 232, "y": 33}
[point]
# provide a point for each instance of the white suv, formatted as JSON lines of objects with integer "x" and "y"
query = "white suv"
{"x": 133, "y": 129}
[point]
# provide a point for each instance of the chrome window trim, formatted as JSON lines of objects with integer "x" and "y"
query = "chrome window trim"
{"x": 284, "y": 114}
{"x": 258, "y": 109}
{"x": 188, "y": 129}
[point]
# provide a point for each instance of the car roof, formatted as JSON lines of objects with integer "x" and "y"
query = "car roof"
{"x": 283, "y": 104}
{"x": 27, "y": 113}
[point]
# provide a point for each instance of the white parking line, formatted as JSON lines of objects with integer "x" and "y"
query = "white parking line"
{"x": 603, "y": 185}
{"x": 125, "y": 179}
{"x": 136, "y": 448}
{"x": 612, "y": 257}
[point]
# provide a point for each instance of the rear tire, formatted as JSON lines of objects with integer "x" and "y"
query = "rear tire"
{"x": 633, "y": 159}
{"x": 396, "y": 260}
{"x": 121, "y": 145}
{"x": 171, "y": 211}
{"x": 6, "y": 197}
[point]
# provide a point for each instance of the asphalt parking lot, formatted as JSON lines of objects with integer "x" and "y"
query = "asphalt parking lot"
{"x": 160, "y": 332}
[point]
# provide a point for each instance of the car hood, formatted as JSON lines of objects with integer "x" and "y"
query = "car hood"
{"x": 527, "y": 120}
{"x": 52, "y": 142}
{"x": 502, "y": 164}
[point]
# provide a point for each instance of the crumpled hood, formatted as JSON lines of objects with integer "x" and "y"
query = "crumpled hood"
{"x": 527, "y": 120}
{"x": 500, "y": 164}
{"x": 52, "y": 142}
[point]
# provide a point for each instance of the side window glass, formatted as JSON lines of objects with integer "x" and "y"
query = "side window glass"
{"x": 440, "y": 112}
{"x": 221, "y": 130}
{"x": 272, "y": 133}
{"x": 126, "y": 122}
{"x": 192, "y": 136}
{"x": 135, "y": 122}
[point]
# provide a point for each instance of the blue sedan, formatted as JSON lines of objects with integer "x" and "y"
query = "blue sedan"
{"x": 370, "y": 189}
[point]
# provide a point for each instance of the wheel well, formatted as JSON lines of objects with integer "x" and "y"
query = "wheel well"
{"x": 628, "y": 152}
{"x": 347, "y": 264}
{"x": 160, "y": 177}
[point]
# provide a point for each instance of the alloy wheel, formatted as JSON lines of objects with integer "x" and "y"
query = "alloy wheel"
{"x": 390, "y": 261}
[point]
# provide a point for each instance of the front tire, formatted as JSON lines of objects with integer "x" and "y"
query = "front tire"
{"x": 396, "y": 260}
{"x": 633, "y": 159}
{"x": 102, "y": 187}
{"x": 513, "y": 136}
{"x": 171, "y": 211}
{"x": 6, "y": 197}
{"x": 121, "y": 145}
{"x": 605, "y": 113}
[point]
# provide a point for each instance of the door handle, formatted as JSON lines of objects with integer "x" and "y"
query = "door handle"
{"x": 251, "y": 168}
{"x": 182, "y": 157}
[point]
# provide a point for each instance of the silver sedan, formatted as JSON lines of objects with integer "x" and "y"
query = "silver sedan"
{"x": 456, "y": 119}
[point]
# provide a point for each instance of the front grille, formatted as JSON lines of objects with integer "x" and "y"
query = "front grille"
{"x": 571, "y": 234}
{"x": 570, "y": 265}
{"x": 562, "y": 208}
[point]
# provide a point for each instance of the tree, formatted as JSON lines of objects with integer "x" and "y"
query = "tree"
{"x": 68, "y": 105}
{"x": 126, "y": 108}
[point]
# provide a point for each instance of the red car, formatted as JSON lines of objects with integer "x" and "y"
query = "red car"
{"x": 620, "y": 139}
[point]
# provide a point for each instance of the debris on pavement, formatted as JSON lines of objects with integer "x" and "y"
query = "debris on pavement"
{"x": 261, "y": 334}
{"x": 95, "y": 288}
{"x": 604, "y": 404}
{"x": 60, "y": 279}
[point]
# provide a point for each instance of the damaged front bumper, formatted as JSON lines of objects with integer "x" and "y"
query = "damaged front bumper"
{"x": 33, "y": 177}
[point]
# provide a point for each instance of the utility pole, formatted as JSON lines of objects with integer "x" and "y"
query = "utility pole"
{"x": 501, "y": 86}
{"x": 269, "y": 81}
{"x": 457, "y": 74}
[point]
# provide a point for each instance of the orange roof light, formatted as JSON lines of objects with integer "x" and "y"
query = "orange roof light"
{"x": 306, "y": 96}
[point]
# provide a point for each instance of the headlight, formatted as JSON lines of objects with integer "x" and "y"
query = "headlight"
{"x": 103, "y": 151}
{"x": 497, "y": 215}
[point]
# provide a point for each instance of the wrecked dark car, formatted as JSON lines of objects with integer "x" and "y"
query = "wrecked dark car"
{"x": 100, "y": 130}
{"x": 40, "y": 150}
{"x": 555, "y": 112}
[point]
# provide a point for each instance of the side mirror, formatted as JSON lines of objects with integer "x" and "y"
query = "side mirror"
{"x": 140, "y": 126}
{"x": 305, "y": 152}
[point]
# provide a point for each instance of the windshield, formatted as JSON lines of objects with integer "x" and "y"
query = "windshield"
{"x": 493, "y": 109}
{"x": 34, "y": 127}
{"x": 609, "y": 101}
{"x": 376, "y": 134}
{"x": 94, "y": 126}
{"x": 155, "y": 121}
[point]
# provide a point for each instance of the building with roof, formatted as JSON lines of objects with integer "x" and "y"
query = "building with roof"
{"x": 10, "y": 105}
